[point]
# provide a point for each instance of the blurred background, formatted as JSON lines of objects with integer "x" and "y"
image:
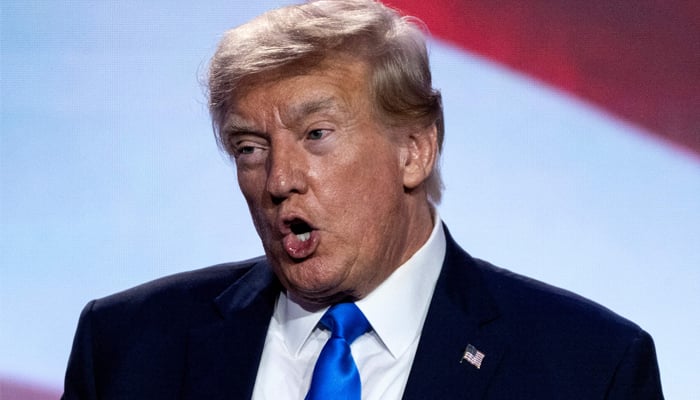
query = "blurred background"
{"x": 572, "y": 155}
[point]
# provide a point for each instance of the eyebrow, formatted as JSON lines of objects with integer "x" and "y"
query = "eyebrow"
{"x": 313, "y": 106}
{"x": 237, "y": 124}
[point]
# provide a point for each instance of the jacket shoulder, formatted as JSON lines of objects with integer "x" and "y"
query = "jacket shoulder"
{"x": 524, "y": 297}
{"x": 133, "y": 344}
{"x": 179, "y": 292}
{"x": 560, "y": 326}
{"x": 559, "y": 336}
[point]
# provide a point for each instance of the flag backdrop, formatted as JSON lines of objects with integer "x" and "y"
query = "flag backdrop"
{"x": 572, "y": 156}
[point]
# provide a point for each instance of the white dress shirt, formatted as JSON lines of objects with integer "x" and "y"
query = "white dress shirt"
{"x": 396, "y": 309}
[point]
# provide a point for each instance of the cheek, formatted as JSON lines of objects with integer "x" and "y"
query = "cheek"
{"x": 252, "y": 187}
{"x": 369, "y": 163}
{"x": 361, "y": 195}
{"x": 250, "y": 184}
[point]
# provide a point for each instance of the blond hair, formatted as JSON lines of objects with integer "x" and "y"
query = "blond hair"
{"x": 393, "y": 46}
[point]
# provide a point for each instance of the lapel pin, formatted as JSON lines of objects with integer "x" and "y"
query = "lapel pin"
{"x": 472, "y": 356}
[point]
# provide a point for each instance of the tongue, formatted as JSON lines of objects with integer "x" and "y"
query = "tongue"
{"x": 296, "y": 248}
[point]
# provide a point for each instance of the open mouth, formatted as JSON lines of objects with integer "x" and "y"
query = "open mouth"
{"x": 301, "y": 230}
{"x": 301, "y": 239}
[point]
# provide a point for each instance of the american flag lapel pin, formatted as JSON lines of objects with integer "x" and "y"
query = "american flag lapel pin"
{"x": 473, "y": 356}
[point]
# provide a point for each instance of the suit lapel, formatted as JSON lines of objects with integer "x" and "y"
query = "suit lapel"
{"x": 461, "y": 313}
{"x": 223, "y": 357}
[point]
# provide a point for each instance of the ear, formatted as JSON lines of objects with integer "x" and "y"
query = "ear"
{"x": 420, "y": 153}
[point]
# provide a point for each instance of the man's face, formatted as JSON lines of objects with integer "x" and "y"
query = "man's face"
{"x": 324, "y": 181}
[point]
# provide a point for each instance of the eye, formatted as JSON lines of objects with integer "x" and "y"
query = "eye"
{"x": 245, "y": 149}
{"x": 317, "y": 134}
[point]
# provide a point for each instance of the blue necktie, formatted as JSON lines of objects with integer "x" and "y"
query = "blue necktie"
{"x": 335, "y": 374}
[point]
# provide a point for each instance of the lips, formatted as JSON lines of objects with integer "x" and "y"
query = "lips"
{"x": 299, "y": 239}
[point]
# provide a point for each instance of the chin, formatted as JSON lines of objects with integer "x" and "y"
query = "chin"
{"x": 320, "y": 294}
{"x": 315, "y": 301}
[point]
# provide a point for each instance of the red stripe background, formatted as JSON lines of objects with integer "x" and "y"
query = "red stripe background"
{"x": 638, "y": 59}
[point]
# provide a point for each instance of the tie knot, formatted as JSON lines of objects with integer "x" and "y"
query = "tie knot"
{"x": 346, "y": 321}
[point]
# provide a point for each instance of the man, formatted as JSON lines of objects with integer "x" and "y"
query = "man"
{"x": 328, "y": 110}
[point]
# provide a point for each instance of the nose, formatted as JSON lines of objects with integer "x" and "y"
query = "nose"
{"x": 285, "y": 172}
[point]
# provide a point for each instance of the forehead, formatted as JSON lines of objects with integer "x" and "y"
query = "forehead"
{"x": 333, "y": 85}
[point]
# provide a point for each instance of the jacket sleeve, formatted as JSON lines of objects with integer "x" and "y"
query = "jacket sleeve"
{"x": 637, "y": 375}
{"x": 80, "y": 374}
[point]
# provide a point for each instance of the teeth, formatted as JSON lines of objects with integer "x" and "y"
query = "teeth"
{"x": 304, "y": 236}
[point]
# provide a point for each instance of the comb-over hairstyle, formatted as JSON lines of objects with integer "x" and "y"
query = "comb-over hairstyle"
{"x": 302, "y": 35}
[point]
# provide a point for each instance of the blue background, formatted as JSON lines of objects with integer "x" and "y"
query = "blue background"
{"x": 110, "y": 176}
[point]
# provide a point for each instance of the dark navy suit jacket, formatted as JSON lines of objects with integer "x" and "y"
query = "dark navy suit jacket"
{"x": 200, "y": 334}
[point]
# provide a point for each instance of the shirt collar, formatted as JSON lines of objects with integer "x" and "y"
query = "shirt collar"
{"x": 396, "y": 309}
